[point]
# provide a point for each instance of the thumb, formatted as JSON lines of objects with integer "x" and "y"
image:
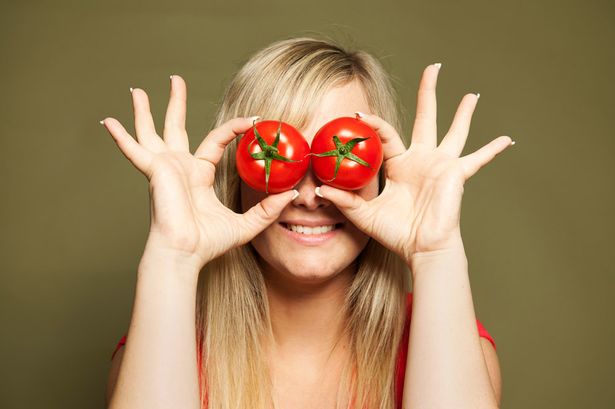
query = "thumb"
{"x": 262, "y": 214}
{"x": 353, "y": 206}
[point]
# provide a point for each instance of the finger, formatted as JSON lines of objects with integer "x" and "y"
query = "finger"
{"x": 144, "y": 123}
{"x": 476, "y": 160}
{"x": 174, "y": 134}
{"x": 456, "y": 137}
{"x": 392, "y": 145}
{"x": 425, "y": 130}
{"x": 136, "y": 154}
{"x": 262, "y": 214}
{"x": 212, "y": 147}
{"x": 353, "y": 206}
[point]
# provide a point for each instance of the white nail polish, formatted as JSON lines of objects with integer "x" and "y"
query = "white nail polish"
{"x": 171, "y": 77}
{"x": 359, "y": 114}
{"x": 131, "y": 90}
{"x": 102, "y": 122}
{"x": 438, "y": 65}
{"x": 478, "y": 95}
{"x": 296, "y": 194}
{"x": 317, "y": 191}
{"x": 512, "y": 143}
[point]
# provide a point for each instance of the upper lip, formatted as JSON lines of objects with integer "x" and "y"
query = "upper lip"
{"x": 311, "y": 223}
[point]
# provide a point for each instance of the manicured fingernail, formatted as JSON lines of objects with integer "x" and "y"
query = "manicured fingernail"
{"x": 512, "y": 143}
{"x": 317, "y": 191}
{"x": 102, "y": 122}
{"x": 359, "y": 114}
{"x": 296, "y": 194}
{"x": 254, "y": 118}
{"x": 478, "y": 95}
{"x": 171, "y": 77}
{"x": 438, "y": 65}
{"x": 131, "y": 90}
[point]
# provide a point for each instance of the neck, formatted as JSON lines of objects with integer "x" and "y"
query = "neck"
{"x": 308, "y": 319}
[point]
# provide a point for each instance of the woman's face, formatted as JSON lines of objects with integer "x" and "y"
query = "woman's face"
{"x": 313, "y": 258}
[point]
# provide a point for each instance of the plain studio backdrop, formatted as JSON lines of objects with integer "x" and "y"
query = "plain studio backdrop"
{"x": 537, "y": 221}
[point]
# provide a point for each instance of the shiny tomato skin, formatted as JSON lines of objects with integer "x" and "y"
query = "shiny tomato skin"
{"x": 283, "y": 175}
{"x": 351, "y": 175}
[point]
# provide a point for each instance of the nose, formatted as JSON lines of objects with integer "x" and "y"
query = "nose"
{"x": 307, "y": 198}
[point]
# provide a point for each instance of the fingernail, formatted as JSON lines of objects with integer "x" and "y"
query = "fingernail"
{"x": 317, "y": 191}
{"x": 102, "y": 122}
{"x": 438, "y": 65}
{"x": 171, "y": 77}
{"x": 296, "y": 194}
{"x": 359, "y": 114}
{"x": 131, "y": 90}
{"x": 512, "y": 143}
{"x": 254, "y": 118}
{"x": 478, "y": 95}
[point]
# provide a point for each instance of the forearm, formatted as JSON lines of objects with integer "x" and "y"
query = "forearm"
{"x": 445, "y": 366}
{"x": 159, "y": 364}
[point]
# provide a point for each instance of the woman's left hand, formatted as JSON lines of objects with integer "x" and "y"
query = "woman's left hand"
{"x": 419, "y": 209}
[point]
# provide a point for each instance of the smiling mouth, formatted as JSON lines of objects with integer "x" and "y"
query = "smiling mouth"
{"x": 308, "y": 231}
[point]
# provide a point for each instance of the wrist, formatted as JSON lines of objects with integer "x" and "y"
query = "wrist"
{"x": 447, "y": 259}
{"x": 159, "y": 259}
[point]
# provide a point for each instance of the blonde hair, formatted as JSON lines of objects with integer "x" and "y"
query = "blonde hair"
{"x": 285, "y": 81}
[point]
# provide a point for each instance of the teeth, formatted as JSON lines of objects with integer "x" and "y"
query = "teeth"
{"x": 310, "y": 230}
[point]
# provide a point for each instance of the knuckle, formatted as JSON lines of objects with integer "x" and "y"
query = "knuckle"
{"x": 264, "y": 211}
{"x": 209, "y": 135}
{"x": 390, "y": 128}
{"x": 423, "y": 115}
{"x": 171, "y": 128}
{"x": 238, "y": 125}
{"x": 355, "y": 203}
{"x": 257, "y": 215}
{"x": 228, "y": 126}
{"x": 234, "y": 122}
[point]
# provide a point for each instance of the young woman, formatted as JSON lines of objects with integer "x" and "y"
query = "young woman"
{"x": 286, "y": 319}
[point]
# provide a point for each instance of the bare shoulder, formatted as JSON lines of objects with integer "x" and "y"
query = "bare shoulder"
{"x": 493, "y": 366}
{"x": 114, "y": 370}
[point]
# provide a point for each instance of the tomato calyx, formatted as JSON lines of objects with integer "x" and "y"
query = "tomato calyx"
{"x": 268, "y": 152}
{"x": 341, "y": 151}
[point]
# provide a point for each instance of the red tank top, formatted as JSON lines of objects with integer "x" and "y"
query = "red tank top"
{"x": 402, "y": 354}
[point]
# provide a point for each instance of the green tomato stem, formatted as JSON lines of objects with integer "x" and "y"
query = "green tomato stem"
{"x": 343, "y": 151}
{"x": 268, "y": 152}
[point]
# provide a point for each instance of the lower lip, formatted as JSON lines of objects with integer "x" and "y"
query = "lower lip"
{"x": 310, "y": 239}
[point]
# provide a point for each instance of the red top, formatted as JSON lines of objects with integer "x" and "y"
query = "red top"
{"x": 402, "y": 354}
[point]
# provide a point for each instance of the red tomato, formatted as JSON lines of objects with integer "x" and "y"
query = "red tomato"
{"x": 346, "y": 153}
{"x": 272, "y": 156}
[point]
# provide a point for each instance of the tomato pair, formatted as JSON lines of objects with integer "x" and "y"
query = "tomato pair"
{"x": 273, "y": 156}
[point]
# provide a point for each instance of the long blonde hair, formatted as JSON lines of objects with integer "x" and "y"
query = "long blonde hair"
{"x": 285, "y": 81}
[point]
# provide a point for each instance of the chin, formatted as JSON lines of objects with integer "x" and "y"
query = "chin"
{"x": 311, "y": 272}
{"x": 311, "y": 266}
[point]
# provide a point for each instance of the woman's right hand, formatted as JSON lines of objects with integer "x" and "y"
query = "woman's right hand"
{"x": 186, "y": 217}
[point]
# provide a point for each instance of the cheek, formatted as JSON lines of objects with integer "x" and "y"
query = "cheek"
{"x": 249, "y": 197}
{"x": 262, "y": 242}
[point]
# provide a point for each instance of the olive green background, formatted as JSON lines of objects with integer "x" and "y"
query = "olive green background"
{"x": 537, "y": 221}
